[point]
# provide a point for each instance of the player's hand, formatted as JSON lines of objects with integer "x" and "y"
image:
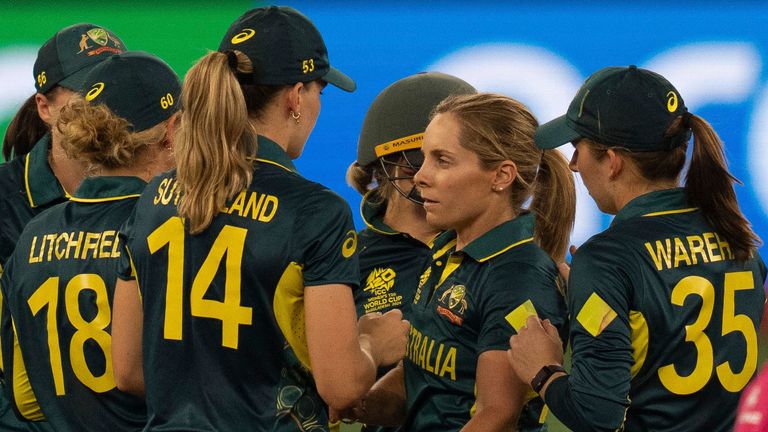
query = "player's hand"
{"x": 386, "y": 334}
{"x": 536, "y": 345}
{"x": 565, "y": 269}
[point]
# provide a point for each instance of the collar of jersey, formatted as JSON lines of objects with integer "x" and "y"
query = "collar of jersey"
{"x": 657, "y": 203}
{"x": 270, "y": 152}
{"x": 108, "y": 188}
{"x": 42, "y": 185}
{"x": 373, "y": 215}
{"x": 494, "y": 242}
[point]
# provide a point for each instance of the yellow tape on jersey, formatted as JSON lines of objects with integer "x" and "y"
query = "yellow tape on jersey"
{"x": 595, "y": 315}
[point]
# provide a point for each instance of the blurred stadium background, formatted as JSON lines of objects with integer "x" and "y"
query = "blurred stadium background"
{"x": 537, "y": 52}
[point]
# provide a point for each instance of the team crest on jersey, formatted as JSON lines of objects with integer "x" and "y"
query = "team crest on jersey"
{"x": 452, "y": 304}
{"x": 95, "y": 41}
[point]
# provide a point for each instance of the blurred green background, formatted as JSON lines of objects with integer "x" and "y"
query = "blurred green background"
{"x": 179, "y": 32}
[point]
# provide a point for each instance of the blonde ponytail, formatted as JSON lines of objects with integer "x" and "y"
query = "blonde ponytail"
{"x": 216, "y": 144}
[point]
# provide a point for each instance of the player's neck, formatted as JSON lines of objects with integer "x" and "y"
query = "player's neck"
{"x": 408, "y": 217}
{"x": 69, "y": 172}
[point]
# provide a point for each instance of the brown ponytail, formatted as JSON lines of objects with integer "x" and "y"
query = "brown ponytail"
{"x": 554, "y": 204}
{"x": 25, "y": 129}
{"x": 710, "y": 187}
{"x": 216, "y": 144}
{"x": 708, "y": 183}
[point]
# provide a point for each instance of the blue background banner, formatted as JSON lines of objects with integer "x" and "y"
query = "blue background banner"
{"x": 539, "y": 54}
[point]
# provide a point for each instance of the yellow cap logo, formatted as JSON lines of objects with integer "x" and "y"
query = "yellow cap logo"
{"x": 671, "y": 101}
{"x": 243, "y": 36}
{"x": 350, "y": 244}
{"x": 94, "y": 91}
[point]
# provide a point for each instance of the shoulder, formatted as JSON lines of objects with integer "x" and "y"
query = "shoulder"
{"x": 528, "y": 272}
{"x": 48, "y": 219}
{"x": 524, "y": 261}
{"x": 12, "y": 177}
{"x": 608, "y": 249}
{"x": 319, "y": 200}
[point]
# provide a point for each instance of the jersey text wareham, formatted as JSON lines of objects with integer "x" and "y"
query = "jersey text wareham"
{"x": 690, "y": 250}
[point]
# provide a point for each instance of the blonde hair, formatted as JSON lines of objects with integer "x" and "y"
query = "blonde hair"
{"x": 93, "y": 133}
{"x": 499, "y": 128}
{"x": 216, "y": 145}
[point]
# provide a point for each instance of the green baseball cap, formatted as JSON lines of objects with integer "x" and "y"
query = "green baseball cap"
{"x": 67, "y": 57}
{"x": 136, "y": 86}
{"x": 625, "y": 107}
{"x": 398, "y": 117}
{"x": 284, "y": 47}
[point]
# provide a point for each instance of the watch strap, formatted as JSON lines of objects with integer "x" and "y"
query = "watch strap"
{"x": 544, "y": 375}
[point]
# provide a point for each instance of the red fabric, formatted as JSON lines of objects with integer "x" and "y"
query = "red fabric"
{"x": 752, "y": 415}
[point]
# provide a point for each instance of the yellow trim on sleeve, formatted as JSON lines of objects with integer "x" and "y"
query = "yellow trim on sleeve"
{"x": 640, "y": 339}
{"x": 668, "y": 212}
{"x": 595, "y": 315}
{"x": 544, "y": 413}
{"x": 520, "y": 314}
{"x": 288, "y": 306}
{"x": 24, "y": 397}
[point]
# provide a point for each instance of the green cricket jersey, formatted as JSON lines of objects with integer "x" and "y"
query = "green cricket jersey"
{"x": 224, "y": 341}
{"x": 390, "y": 263}
{"x": 390, "y": 266}
{"x": 58, "y": 286}
{"x": 664, "y": 323}
{"x": 469, "y": 302}
{"x": 27, "y": 187}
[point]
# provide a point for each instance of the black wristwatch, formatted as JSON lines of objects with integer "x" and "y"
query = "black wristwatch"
{"x": 543, "y": 376}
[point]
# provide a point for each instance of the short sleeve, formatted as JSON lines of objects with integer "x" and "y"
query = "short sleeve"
{"x": 327, "y": 241}
{"x": 124, "y": 267}
{"x": 512, "y": 293}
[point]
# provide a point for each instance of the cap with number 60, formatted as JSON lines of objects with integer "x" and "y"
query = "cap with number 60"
{"x": 136, "y": 86}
